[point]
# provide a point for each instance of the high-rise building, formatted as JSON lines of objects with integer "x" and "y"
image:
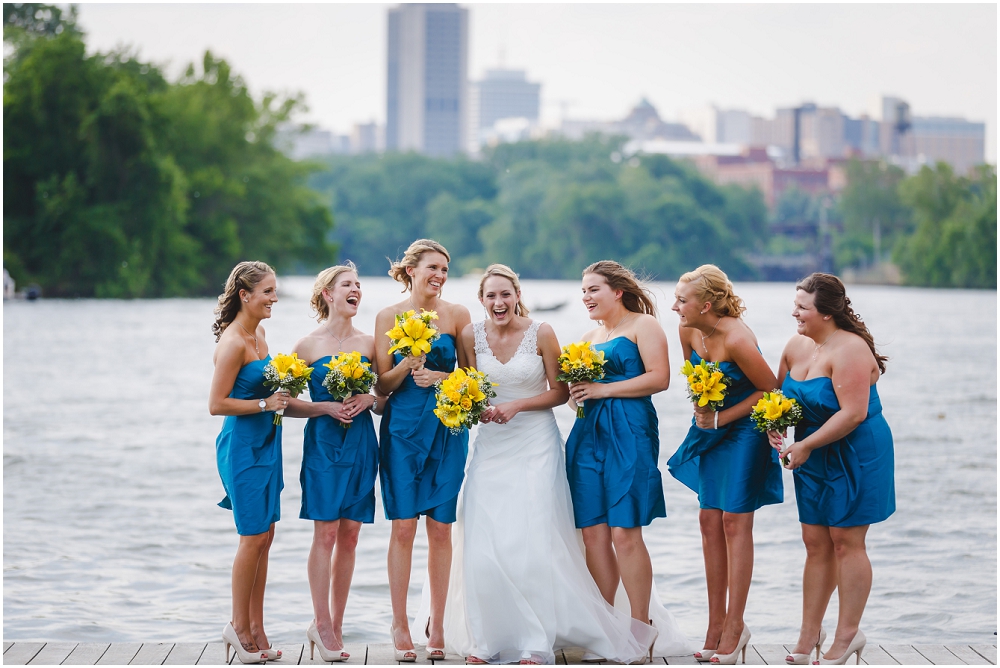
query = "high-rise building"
{"x": 426, "y": 79}
{"x": 956, "y": 141}
{"x": 501, "y": 94}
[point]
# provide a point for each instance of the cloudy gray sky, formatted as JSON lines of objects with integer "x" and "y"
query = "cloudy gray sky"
{"x": 597, "y": 60}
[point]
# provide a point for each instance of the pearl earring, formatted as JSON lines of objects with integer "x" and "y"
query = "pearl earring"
{"x": 247, "y": 301}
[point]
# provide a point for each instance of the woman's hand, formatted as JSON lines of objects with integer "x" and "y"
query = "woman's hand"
{"x": 338, "y": 411}
{"x": 502, "y": 413}
{"x": 796, "y": 455}
{"x": 585, "y": 390}
{"x": 355, "y": 405}
{"x": 704, "y": 417}
{"x": 425, "y": 377}
{"x": 276, "y": 401}
{"x": 776, "y": 439}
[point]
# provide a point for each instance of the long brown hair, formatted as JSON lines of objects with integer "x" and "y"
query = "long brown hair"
{"x": 503, "y": 271}
{"x": 831, "y": 299}
{"x": 635, "y": 297}
{"x": 244, "y": 276}
{"x": 411, "y": 258}
{"x": 714, "y": 286}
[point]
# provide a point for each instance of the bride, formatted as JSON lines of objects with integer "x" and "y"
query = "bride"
{"x": 519, "y": 586}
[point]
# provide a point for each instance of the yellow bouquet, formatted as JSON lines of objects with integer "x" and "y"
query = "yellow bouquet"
{"x": 776, "y": 412}
{"x": 580, "y": 362}
{"x": 347, "y": 376}
{"x": 413, "y": 334}
{"x": 288, "y": 373}
{"x": 462, "y": 397}
{"x": 707, "y": 385}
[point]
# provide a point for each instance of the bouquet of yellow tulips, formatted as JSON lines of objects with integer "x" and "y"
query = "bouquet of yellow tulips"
{"x": 413, "y": 334}
{"x": 776, "y": 412}
{"x": 347, "y": 376}
{"x": 580, "y": 362}
{"x": 288, "y": 373}
{"x": 707, "y": 385}
{"x": 462, "y": 397}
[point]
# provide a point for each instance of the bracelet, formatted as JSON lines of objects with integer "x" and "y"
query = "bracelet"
{"x": 375, "y": 404}
{"x": 716, "y": 419}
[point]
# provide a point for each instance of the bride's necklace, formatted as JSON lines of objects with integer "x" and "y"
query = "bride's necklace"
{"x": 703, "y": 344}
{"x": 816, "y": 352}
{"x": 624, "y": 318}
{"x": 250, "y": 335}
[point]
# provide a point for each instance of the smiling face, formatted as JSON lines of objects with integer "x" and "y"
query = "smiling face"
{"x": 686, "y": 304}
{"x": 257, "y": 304}
{"x": 809, "y": 321}
{"x": 429, "y": 275}
{"x": 499, "y": 299}
{"x": 600, "y": 300}
{"x": 344, "y": 296}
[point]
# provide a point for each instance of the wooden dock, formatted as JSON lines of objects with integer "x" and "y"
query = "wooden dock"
{"x": 147, "y": 654}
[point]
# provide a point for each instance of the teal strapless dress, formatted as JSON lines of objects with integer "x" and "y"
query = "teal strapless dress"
{"x": 732, "y": 468}
{"x": 338, "y": 465}
{"x": 248, "y": 454}
{"x": 421, "y": 463}
{"x": 850, "y": 482}
{"x": 611, "y": 454}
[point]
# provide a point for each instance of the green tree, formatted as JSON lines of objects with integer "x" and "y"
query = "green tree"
{"x": 871, "y": 209}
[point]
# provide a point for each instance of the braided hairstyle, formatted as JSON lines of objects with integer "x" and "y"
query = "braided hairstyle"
{"x": 831, "y": 299}
{"x": 244, "y": 276}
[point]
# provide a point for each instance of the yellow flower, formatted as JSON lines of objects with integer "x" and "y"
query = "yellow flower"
{"x": 465, "y": 403}
{"x": 698, "y": 387}
{"x": 396, "y": 333}
{"x": 283, "y": 363}
{"x": 450, "y": 416}
{"x": 687, "y": 369}
{"x": 713, "y": 389}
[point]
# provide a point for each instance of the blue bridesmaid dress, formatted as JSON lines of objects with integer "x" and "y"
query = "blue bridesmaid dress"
{"x": 850, "y": 482}
{"x": 612, "y": 452}
{"x": 421, "y": 463}
{"x": 732, "y": 468}
{"x": 338, "y": 465}
{"x": 248, "y": 454}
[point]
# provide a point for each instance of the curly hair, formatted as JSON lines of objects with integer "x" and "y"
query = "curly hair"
{"x": 831, "y": 299}
{"x": 714, "y": 286}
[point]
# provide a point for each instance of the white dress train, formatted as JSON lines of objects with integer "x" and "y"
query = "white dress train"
{"x": 519, "y": 585}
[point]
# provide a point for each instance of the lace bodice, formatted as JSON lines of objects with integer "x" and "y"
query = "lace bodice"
{"x": 522, "y": 376}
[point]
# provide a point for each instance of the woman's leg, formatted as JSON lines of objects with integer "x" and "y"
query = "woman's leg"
{"x": 343, "y": 573}
{"x": 738, "y": 530}
{"x": 635, "y": 567}
{"x": 601, "y": 560}
{"x": 248, "y": 556}
{"x": 438, "y": 572}
{"x": 400, "y": 557}
{"x": 819, "y": 579}
{"x": 318, "y": 570}
{"x": 854, "y": 583}
{"x": 713, "y": 547}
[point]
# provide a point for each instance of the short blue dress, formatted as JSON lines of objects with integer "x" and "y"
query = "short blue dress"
{"x": 612, "y": 452}
{"x": 248, "y": 454}
{"x": 850, "y": 482}
{"x": 421, "y": 463}
{"x": 732, "y": 468}
{"x": 338, "y": 465}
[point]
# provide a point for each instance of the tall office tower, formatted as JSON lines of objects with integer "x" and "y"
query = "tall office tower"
{"x": 506, "y": 94}
{"x": 427, "y": 70}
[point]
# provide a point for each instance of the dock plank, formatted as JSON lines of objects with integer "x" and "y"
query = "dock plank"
{"x": 53, "y": 653}
{"x": 381, "y": 654}
{"x": 214, "y": 655}
{"x": 905, "y": 654}
{"x": 967, "y": 654}
{"x": 937, "y": 654}
{"x": 6, "y": 645}
{"x": 754, "y": 658}
{"x": 684, "y": 660}
{"x": 357, "y": 651}
{"x": 873, "y": 655}
{"x": 120, "y": 653}
{"x": 988, "y": 652}
{"x": 151, "y": 654}
{"x": 86, "y": 654}
{"x": 20, "y": 653}
{"x": 185, "y": 654}
{"x": 773, "y": 655}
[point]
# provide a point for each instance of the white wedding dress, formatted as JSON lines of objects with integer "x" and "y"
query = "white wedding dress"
{"x": 519, "y": 585}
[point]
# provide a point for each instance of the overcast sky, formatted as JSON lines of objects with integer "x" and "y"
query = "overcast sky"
{"x": 597, "y": 60}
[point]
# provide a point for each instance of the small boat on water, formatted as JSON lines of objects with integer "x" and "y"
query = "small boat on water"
{"x": 548, "y": 307}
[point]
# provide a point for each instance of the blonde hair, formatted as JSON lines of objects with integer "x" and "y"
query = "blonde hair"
{"x": 714, "y": 286}
{"x": 411, "y": 258}
{"x": 504, "y": 271}
{"x": 635, "y": 297}
{"x": 324, "y": 281}
{"x": 244, "y": 276}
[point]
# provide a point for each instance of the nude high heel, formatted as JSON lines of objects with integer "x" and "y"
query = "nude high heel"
{"x": 856, "y": 647}
{"x": 433, "y": 653}
{"x": 730, "y": 659}
{"x": 231, "y": 639}
{"x": 648, "y": 656}
{"x": 794, "y": 659}
{"x": 403, "y": 655}
{"x": 312, "y": 633}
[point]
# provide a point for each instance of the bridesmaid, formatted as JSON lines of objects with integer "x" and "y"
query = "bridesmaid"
{"x": 723, "y": 458}
{"x": 611, "y": 453}
{"x": 421, "y": 464}
{"x": 842, "y": 460}
{"x": 248, "y": 449}
{"x": 338, "y": 465}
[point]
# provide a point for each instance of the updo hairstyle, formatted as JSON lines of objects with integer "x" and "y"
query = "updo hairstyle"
{"x": 411, "y": 258}
{"x": 504, "y": 271}
{"x": 635, "y": 297}
{"x": 713, "y": 286}
{"x": 244, "y": 276}
{"x": 831, "y": 299}
{"x": 324, "y": 281}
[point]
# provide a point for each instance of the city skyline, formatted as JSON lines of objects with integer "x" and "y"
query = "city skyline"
{"x": 597, "y": 61}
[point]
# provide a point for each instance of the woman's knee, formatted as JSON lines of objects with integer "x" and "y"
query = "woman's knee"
{"x": 737, "y": 524}
{"x": 628, "y": 542}
{"x": 847, "y": 542}
{"x": 347, "y": 536}
{"x": 710, "y": 521}
{"x": 258, "y": 543}
{"x": 438, "y": 533}
{"x": 596, "y": 537}
{"x": 325, "y": 534}
{"x": 404, "y": 531}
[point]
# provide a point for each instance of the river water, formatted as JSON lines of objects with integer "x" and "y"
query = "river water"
{"x": 111, "y": 530}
